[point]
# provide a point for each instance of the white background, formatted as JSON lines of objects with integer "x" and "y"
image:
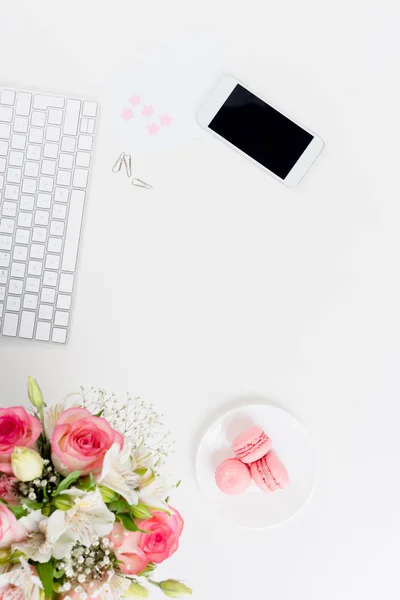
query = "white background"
{"x": 221, "y": 283}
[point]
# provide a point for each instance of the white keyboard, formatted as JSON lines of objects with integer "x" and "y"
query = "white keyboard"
{"x": 45, "y": 156}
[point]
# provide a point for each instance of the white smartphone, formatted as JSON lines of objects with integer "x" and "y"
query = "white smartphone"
{"x": 260, "y": 131}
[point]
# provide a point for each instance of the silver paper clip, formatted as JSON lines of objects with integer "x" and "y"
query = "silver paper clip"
{"x": 128, "y": 164}
{"x": 118, "y": 164}
{"x": 142, "y": 184}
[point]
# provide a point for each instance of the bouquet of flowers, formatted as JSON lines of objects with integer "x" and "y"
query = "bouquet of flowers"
{"x": 84, "y": 510}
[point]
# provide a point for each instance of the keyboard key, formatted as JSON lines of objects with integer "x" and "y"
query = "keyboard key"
{"x": 84, "y": 126}
{"x": 71, "y": 117}
{"x": 56, "y": 228}
{"x": 66, "y": 161}
{"x": 7, "y": 225}
{"x": 37, "y": 251}
{"x": 54, "y": 245}
{"x": 52, "y": 261}
{"x": 89, "y": 109}
{"x": 82, "y": 159}
{"x": 36, "y": 136}
{"x": 63, "y": 301}
{"x": 27, "y": 324}
{"x": 80, "y": 178}
{"x": 3, "y": 148}
{"x": 18, "y": 141}
{"x": 85, "y": 142}
{"x": 49, "y": 167}
{"x": 6, "y": 114}
{"x": 61, "y": 318}
{"x": 24, "y": 219}
{"x": 45, "y": 312}
{"x": 5, "y": 242}
{"x": 59, "y": 211}
{"x": 23, "y": 106}
{"x": 66, "y": 282}
{"x": 31, "y": 169}
{"x": 5, "y": 131}
{"x": 39, "y": 234}
{"x": 38, "y": 119}
{"x": 11, "y": 192}
{"x": 18, "y": 270}
{"x": 59, "y": 335}
{"x": 3, "y": 276}
{"x": 10, "y": 324}
{"x": 14, "y": 175}
{"x": 53, "y": 134}
{"x": 50, "y": 279}
{"x": 43, "y": 331}
{"x": 3, "y": 164}
{"x": 15, "y": 286}
{"x": 35, "y": 267}
{"x": 20, "y": 253}
{"x": 48, "y": 295}
{"x": 41, "y": 217}
{"x": 68, "y": 144}
{"x": 33, "y": 152}
{"x": 73, "y": 230}
{"x": 32, "y": 284}
{"x": 29, "y": 186}
{"x": 46, "y": 184}
{"x": 5, "y": 259}
{"x": 91, "y": 126}
{"x": 21, "y": 124}
{"x": 61, "y": 195}
{"x": 16, "y": 159}
{"x": 26, "y": 202}
{"x": 22, "y": 236}
{"x": 2, "y": 293}
{"x": 50, "y": 150}
{"x": 13, "y": 303}
{"x": 1, "y": 181}
{"x": 64, "y": 177}
{"x": 43, "y": 102}
{"x": 1, "y": 311}
{"x": 43, "y": 201}
{"x": 9, "y": 209}
{"x": 30, "y": 301}
{"x": 55, "y": 117}
{"x": 7, "y": 97}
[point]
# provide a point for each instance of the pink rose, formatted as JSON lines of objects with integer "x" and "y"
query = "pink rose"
{"x": 8, "y": 490}
{"x": 80, "y": 441}
{"x": 11, "y": 530}
{"x": 17, "y": 428}
{"x": 163, "y": 537}
{"x": 126, "y": 548}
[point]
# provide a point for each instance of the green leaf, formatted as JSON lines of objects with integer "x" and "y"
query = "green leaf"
{"x": 147, "y": 570}
{"x": 119, "y": 506}
{"x": 65, "y": 483}
{"x": 18, "y": 511}
{"x": 99, "y": 413}
{"x": 32, "y": 504}
{"x": 127, "y": 522}
{"x": 46, "y": 574}
{"x": 179, "y": 483}
{"x": 87, "y": 483}
{"x": 59, "y": 574}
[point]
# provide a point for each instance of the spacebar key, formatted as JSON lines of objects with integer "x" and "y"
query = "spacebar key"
{"x": 73, "y": 230}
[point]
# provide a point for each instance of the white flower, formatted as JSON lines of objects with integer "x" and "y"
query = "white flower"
{"x": 52, "y": 414}
{"x": 89, "y": 517}
{"x": 155, "y": 493}
{"x": 26, "y": 585}
{"x": 118, "y": 472}
{"x": 113, "y": 588}
{"x": 48, "y": 536}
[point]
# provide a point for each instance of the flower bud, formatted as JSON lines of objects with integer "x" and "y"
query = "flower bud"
{"x": 135, "y": 590}
{"x": 62, "y": 502}
{"x": 140, "y": 511}
{"x": 26, "y": 464}
{"x": 174, "y": 589}
{"x": 34, "y": 393}
{"x": 107, "y": 495}
{"x": 5, "y": 554}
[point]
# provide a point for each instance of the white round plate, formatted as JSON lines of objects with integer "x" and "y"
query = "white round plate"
{"x": 254, "y": 508}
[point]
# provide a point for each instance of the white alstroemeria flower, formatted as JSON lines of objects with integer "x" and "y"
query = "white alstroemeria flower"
{"x": 26, "y": 585}
{"x": 118, "y": 472}
{"x": 112, "y": 589}
{"x": 89, "y": 517}
{"x": 53, "y": 412}
{"x": 155, "y": 493}
{"x": 48, "y": 536}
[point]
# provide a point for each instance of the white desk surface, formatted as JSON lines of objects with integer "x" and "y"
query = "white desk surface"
{"x": 223, "y": 283}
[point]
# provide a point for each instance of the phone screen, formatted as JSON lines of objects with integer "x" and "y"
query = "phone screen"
{"x": 260, "y": 131}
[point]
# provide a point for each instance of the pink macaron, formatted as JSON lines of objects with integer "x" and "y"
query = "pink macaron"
{"x": 251, "y": 445}
{"x": 269, "y": 473}
{"x": 232, "y": 477}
